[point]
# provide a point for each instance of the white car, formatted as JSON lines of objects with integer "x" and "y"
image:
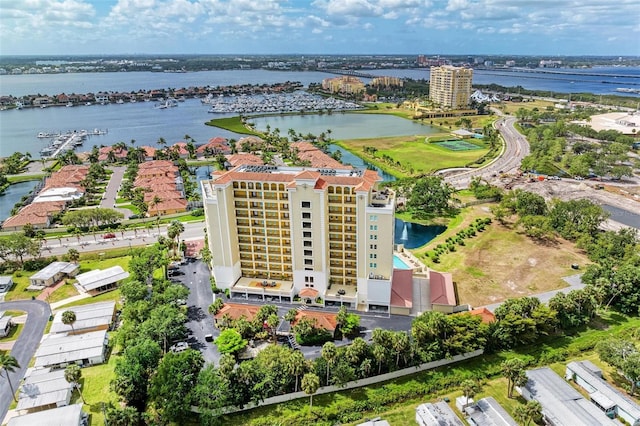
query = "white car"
{"x": 179, "y": 347}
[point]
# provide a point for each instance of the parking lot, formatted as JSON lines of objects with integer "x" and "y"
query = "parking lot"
{"x": 195, "y": 275}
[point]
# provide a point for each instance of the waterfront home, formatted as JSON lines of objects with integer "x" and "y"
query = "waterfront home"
{"x": 39, "y": 215}
{"x": 243, "y": 159}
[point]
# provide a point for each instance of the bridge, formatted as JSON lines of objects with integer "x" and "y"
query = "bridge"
{"x": 352, "y": 73}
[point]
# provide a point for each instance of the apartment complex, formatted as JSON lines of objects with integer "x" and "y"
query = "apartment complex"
{"x": 318, "y": 234}
{"x": 344, "y": 84}
{"x": 450, "y": 86}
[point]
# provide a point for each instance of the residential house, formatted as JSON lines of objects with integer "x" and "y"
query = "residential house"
{"x": 58, "y": 351}
{"x": 101, "y": 281}
{"x": 53, "y": 273}
{"x": 602, "y": 393}
{"x": 89, "y": 318}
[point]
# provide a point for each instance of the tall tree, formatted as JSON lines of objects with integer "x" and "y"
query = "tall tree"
{"x": 9, "y": 364}
{"x": 514, "y": 370}
{"x": 296, "y": 366}
{"x": 73, "y": 374}
{"x": 310, "y": 385}
{"x": 329, "y": 353}
{"x": 69, "y": 318}
{"x": 469, "y": 389}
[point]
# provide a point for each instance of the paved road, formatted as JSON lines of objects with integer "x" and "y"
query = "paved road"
{"x": 515, "y": 149}
{"x": 111, "y": 193}
{"x": 24, "y": 348}
{"x": 195, "y": 276}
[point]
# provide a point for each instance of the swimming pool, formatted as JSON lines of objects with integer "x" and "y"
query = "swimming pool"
{"x": 399, "y": 263}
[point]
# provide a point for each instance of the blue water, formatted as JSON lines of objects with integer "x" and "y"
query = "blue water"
{"x": 399, "y": 263}
{"x": 12, "y": 195}
{"x": 414, "y": 235}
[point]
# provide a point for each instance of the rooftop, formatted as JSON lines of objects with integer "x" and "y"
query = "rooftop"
{"x": 98, "y": 278}
{"x": 58, "y": 349}
{"x": 561, "y": 403}
{"x": 68, "y": 415}
{"x": 601, "y": 390}
{"x": 54, "y": 268}
{"x": 44, "y": 387}
{"x": 87, "y": 316}
{"x": 437, "y": 414}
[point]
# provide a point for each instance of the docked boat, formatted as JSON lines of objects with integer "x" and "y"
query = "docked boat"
{"x": 169, "y": 103}
{"x": 69, "y": 104}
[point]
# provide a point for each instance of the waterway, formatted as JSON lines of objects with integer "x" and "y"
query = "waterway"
{"x": 12, "y": 195}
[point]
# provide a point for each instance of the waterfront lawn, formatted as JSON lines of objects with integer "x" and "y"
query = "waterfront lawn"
{"x": 411, "y": 151}
{"x": 25, "y": 178}
{"x": 500, "y": 262}
{"x": 512, "y": 107}
{"x": 233, "y": 124}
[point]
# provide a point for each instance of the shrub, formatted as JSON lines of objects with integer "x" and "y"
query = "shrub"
{"x": 197, "y": 212}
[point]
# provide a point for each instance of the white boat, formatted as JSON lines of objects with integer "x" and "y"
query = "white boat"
{"x": 19, "y": 105}
{"x": 169, "y": 103}
{"x": 119, "y": 101}
{"x": 69, "y": 104}
{"x": 88, "y": 104}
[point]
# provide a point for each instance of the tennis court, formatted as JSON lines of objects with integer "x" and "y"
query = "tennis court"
{"x": 457, "y": 145}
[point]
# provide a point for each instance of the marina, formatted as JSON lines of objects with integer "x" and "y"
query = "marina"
{"x": 63, "y": 142}
{"x": 294, "y": 102}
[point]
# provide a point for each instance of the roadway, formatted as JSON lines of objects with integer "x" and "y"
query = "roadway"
{"x": 515, "y": 149}
{"x": 37, "y": 316}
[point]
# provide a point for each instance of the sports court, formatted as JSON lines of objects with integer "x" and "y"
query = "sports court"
{"x": 457, "y": 145}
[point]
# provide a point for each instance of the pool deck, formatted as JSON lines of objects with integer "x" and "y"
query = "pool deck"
{"x": 409, "y": 259}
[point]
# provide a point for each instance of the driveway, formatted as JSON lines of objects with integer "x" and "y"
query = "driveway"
{"x": 111, "y": 193}
{"x": 26, "y": 345}
{"x": 195, "y": 276}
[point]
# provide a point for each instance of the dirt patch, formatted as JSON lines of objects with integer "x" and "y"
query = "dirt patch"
{"x": 500, "y": 263}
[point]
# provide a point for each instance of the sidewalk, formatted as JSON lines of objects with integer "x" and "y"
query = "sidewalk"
{"x": 63, "y": 302}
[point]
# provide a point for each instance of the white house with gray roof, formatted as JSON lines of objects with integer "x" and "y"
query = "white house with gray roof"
{"x": 562, "y": 405}
{"x": 43, "y": 389}
{"x": 52, "y": 273}
{"x": 589, "y": 377}
{"x": 70, "y": 415}
{"x": 58, "y": 351}
{"x": 93, "y": 317}
{"x": 100, "y": 281}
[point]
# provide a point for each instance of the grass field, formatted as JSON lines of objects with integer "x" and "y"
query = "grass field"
{"x": 233, "y": 124}
{"x": 95, "y": 386}
{"x": 500, "y": 262}
{"x": 512, "y": 107}
{"x": 413, "y": 150}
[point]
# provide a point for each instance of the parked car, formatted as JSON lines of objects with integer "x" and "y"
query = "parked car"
{"x": 179, "y": 347}
{"x": 109, "y": 236}
{"x": 208, "y": 337}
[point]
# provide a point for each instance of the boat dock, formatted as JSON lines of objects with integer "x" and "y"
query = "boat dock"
{"x": 63, "y": 142}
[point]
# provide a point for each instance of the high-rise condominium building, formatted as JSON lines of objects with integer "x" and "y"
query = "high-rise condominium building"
{"x": 450, "y": 86}
{"x": 314, "y": 233}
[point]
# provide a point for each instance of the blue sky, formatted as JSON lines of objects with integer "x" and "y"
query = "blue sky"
{"x": 510, "y": 27}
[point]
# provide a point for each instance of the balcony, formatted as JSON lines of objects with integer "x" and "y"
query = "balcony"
{"x": 242, "y": 213}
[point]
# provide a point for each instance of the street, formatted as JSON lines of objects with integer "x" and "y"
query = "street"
{"x": 37, "y": 316}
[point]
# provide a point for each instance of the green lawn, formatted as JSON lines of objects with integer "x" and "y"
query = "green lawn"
{"x": 16, "y": 329}
{"x": 63, "y": 292}
{"x": 19, "y": 290}
{"x": 95, "y": 386}
{"x": 233, "y": 124}
{"x": 411, "y": 151}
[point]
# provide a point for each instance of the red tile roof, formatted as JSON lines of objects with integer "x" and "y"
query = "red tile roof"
{"x": 317, "y": 158}
{"x": 236, "y": 311}
{"x": 322, "y": 319}
{"x": 485, "y": 314}
{"x": 442, "y": 290}
{"x": 242, "y": 159}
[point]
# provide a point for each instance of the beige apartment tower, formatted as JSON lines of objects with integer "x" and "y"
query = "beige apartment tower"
{"x": 314, "y": 235}
{"x": 450, "y": 87}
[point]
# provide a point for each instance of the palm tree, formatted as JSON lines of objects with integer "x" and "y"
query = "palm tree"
{"x": 156, "y": 200}
{"x": 73, "y": 255}
{"x": 73, "y": 374}
{"x": 69, "y": 318}
{"x": 296, "y": 366}
{"x": 469, "y": 389}
{"x": 380, "y": 354}
{"x": 9, "y": 364}
{"x": 310, "y": 384}
{"x": 329, "y": 353}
